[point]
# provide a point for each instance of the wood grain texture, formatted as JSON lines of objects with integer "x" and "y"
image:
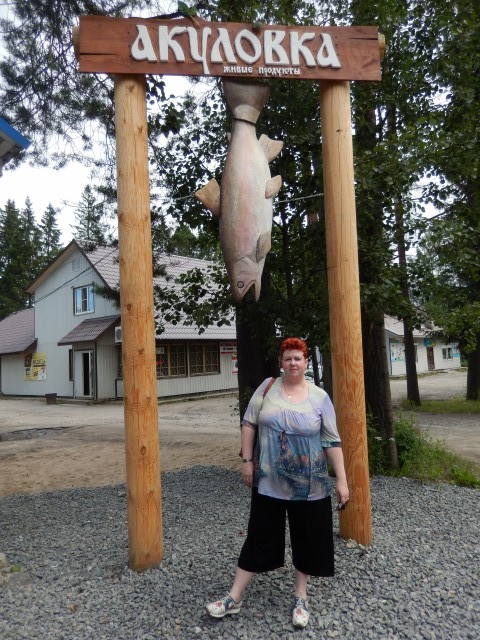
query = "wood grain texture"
{"x": 138, "y": 328}
{"x": 344, "y": 303}
{"x": 105, "y": 47}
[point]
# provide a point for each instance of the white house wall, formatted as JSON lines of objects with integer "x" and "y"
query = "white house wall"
{"x": 13, "y": 382}
{"x": 106, "y": 365}
{"x": 54, "y": 318}
{"x": 397, "y": 356}
{"x": 167, "y": 387}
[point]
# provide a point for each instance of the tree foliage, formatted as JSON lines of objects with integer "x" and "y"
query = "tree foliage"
{"x": 43, "y": 95}
{"x": 23, "y": 247}
{"x": 50, "y": 235}
{"x": 91, "y": 227}
{"x": 448, "y": 266}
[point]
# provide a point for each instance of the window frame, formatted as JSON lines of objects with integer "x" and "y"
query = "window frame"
{"x": 90, "y": 298}
{"x": 204, "y": 345}
{"x": 170, "y": 353}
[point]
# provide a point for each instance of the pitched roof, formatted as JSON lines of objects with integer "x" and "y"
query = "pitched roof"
{"x": 394, "y": 326}
{"x": 17, "y": 332}
{"x": 104, "y": 260}
{"x": 89, "y": 330}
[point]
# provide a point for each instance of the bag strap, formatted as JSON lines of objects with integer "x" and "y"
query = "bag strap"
{"x": 267, "y": 389}
{"x": 269, "y": 386}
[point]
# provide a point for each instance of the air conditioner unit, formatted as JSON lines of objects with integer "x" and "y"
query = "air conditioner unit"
{"x": 118, "y": 334}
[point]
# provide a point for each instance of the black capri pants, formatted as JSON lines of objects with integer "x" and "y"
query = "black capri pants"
{"x": 311, "y": 535}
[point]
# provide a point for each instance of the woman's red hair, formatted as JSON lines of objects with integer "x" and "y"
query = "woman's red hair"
{"x": 294, "y": 343}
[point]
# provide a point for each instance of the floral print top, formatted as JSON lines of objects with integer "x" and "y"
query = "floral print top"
{"x": 289, "y": 456}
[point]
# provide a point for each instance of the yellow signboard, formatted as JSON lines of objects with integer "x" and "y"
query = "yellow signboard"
{"x": 35, "y": 367}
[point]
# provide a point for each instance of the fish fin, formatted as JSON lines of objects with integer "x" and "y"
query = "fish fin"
{"x": 273, "y": 186}
{"x": 209, "y": 195}
{"x": 245, "y": 97}
{"x": 264, "y": 244}
{"x": 271, "y": 148}
{"x": 258, "y": 287}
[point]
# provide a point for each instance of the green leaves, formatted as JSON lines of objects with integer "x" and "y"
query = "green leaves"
{"x": 185, "y": 10}
{"x": 90, "y": 226}
{"x": 25, "y": 248}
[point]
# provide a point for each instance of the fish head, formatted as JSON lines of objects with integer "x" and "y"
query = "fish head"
{"x": 244, "y": 275}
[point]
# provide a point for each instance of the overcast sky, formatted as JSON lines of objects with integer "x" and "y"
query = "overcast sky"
{"x": 60, "y": 188}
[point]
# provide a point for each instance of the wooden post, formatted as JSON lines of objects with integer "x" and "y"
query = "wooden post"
{"x": 138, "y": 328}
{"x": 344, "y": 302}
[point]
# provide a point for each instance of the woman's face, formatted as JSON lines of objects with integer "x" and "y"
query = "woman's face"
{"x": 294, "y": 363}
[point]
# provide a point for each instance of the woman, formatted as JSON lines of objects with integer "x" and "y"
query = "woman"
{"x": 286, "y": 432}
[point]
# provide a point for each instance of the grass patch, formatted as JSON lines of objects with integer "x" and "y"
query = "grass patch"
{"x": 420, "y": 457}
{"x": 451, "y": 405}
{"x": 15, "y": 568}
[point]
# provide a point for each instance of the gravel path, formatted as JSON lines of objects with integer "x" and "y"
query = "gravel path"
{"x": 419, "y": 580}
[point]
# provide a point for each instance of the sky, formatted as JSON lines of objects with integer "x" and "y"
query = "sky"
{"x": 60, "y": 188}
{"x": 43, "y": 186}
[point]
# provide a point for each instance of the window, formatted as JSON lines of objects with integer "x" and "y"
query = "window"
{"x": 447, "y": 353}
{"x": 171, "y": 360}
{"x": 204, "y": 358}
{"x": 83, "y": 300}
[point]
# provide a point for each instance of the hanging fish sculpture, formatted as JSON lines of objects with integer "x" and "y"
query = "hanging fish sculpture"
{"x": 243, "y": 202}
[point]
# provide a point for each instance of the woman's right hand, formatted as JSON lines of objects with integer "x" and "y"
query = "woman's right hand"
{"x": 247, "y": 473}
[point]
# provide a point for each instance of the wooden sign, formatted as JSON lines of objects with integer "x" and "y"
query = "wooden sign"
{"x": 195, "y": 47}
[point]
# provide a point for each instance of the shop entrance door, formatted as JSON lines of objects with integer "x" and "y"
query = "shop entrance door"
{"x": 430, "y": 359}
{"x": 84, "y": 387}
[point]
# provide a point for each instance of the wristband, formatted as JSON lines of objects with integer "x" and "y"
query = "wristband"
{"x": 247, "y": 459}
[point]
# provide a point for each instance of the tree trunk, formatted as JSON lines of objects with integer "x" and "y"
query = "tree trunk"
{"x": 377, "y": 383}
{"x": 473, "y": 375}
{"x": 413, "y": 391}
{"x": 257, "y": 356}
{"x": 327, "y": 373}
{"x": 316, "y": 375}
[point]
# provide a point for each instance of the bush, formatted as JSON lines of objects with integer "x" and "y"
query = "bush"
{"x": 419, "y": 456}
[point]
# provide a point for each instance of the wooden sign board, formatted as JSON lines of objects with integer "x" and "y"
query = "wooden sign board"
{"x": 195, "y": 47}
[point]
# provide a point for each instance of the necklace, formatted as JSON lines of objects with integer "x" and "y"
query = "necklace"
{"x": 294, "y": 393}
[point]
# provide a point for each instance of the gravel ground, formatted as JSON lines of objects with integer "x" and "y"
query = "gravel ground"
{"x": 419, "y": 580}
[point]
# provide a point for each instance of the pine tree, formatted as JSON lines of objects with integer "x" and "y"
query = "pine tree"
{"x": 90, "y": 227}
{"x": 15, "y": 260}
{"x": 32, "y": 239}
{"x": 50, "y": 235}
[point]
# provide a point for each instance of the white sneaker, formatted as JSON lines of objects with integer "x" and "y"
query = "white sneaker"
{"x": 224, "y": 607}
{"x": 300, "y": 614}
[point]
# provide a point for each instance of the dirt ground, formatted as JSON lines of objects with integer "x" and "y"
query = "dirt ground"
{"x": 47, "y": 447}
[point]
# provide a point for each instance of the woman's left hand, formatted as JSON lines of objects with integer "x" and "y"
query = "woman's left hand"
{"x": 247, "y": 473}
{"x": 341, "y": 489}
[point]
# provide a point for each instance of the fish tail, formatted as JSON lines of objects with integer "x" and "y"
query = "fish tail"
{"x": 245, "y": 98}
